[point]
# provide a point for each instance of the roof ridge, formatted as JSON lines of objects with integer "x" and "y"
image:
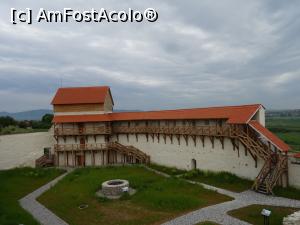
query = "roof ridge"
{"x": 105, "y": 86}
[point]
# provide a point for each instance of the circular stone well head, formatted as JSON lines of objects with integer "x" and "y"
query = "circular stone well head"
{"x": 114, "y": 187}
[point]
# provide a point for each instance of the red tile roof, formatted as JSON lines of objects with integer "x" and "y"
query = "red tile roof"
{"x": 80, "y": 95}
{"x": 233, "y": 115}
{"x": 269, "y": 136}
{"x": 297, "y": 155}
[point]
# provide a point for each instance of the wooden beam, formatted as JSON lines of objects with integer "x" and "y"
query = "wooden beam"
{"x": 203, "y": 140}
{"x": 212, "y": 139}
{"x": 178, "y": 138}
{"x": 186, "y": 138}
{"x": 194, "y": 137}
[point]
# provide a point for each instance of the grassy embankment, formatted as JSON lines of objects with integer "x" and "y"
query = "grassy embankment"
{"x": 224, "y": 180}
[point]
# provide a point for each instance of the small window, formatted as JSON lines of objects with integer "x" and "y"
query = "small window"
{"x": 206, "y": 122}
{"x": 194, "y": 164}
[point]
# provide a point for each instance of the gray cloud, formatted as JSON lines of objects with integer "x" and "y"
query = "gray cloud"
{"x": 199, "y": 53}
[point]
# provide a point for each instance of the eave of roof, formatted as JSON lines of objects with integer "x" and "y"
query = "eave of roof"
{"x": 269, "y": 136}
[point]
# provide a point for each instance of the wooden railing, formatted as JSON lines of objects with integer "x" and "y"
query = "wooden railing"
{"x": 45, "y": 160}
{"x": 128, "y": 151}
{"x": 82, "y": 131}
{"x": 80, "y": 147}
{"x": 174, "y": 130}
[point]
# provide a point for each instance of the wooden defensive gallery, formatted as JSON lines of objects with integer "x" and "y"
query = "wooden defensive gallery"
{"x": 231, "y": 138}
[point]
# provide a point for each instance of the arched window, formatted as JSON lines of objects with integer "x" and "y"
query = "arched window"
{"x": 194, "y": 164}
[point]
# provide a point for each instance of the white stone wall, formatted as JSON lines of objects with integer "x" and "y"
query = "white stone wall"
{"x": 23, "y": 149}
{"x": 294, "y": 173}
{"x": 260, "y": 116}
{"x": 207, "y": 158}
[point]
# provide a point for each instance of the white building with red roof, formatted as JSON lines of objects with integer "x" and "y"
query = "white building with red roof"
{"x": 229, "y": 138}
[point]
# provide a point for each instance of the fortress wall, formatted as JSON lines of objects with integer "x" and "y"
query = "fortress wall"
{"x": 23, "y": 149}
{"x": 294, "y": 173}
{"x": 207, "y": 158}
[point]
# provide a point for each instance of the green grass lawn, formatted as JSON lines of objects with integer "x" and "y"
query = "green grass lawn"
{"x": 15, "y": 184}
{"x": 221, "y": 179}
{"x": 289, "y": 192}
{"x": 158, "y": 199}
{"x": 252, "y": 214}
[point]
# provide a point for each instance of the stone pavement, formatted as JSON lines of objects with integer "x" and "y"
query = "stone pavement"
{"x": 37, "y": 210}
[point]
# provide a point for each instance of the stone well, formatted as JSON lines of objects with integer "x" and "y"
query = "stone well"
{"x": 114, "y": 187}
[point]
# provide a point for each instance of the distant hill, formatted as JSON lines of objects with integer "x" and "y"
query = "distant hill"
{"x": 38, "y": 114}
{"x": 27, "y": 115}
{"x": 283, "y": 113}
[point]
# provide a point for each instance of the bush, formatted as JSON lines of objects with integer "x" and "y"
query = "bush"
{"x": 6, "y": 121}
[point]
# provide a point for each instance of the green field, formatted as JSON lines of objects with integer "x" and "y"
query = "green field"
{"x": 157, "y": 199}
{"x": 17, "y": 130}
{"x": 287, "y": 128}
{"x": 15, "y": 184}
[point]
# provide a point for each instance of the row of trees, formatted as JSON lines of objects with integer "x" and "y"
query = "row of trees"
{"x": 44, "y": 123}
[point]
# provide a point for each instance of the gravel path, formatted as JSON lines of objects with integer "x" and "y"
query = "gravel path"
{"x": 37, "y": 210}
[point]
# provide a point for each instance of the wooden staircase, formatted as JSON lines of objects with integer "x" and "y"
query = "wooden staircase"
{"x": 275, "y": 164}
{"x": 45, "y": 161}
{"x": 132, "y": 154}
{"x": 269, "y": 175}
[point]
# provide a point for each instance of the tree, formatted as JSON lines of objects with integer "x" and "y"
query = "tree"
{"x": 6, "y": 121}
{"x": 47, "y": 118}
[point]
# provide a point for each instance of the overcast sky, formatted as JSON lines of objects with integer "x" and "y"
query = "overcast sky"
{"x": 198, "y": 53}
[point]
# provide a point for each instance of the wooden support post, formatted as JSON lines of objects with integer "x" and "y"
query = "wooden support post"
{"x": 222, "y": 142}
{"x": 65, "y": 158}
{"x": 203, "y": 141}
{"x": 194, "y": 137}
{"x": 93, "y": 157}
{"x": 103, "y": 156}
{"x": 186, "y": 138}
{"x": 178, "y": 138}
{"x": 212, "y": 139}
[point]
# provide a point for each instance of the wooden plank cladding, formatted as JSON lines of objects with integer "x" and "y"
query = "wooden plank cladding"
{"x": 78, "y": 108}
